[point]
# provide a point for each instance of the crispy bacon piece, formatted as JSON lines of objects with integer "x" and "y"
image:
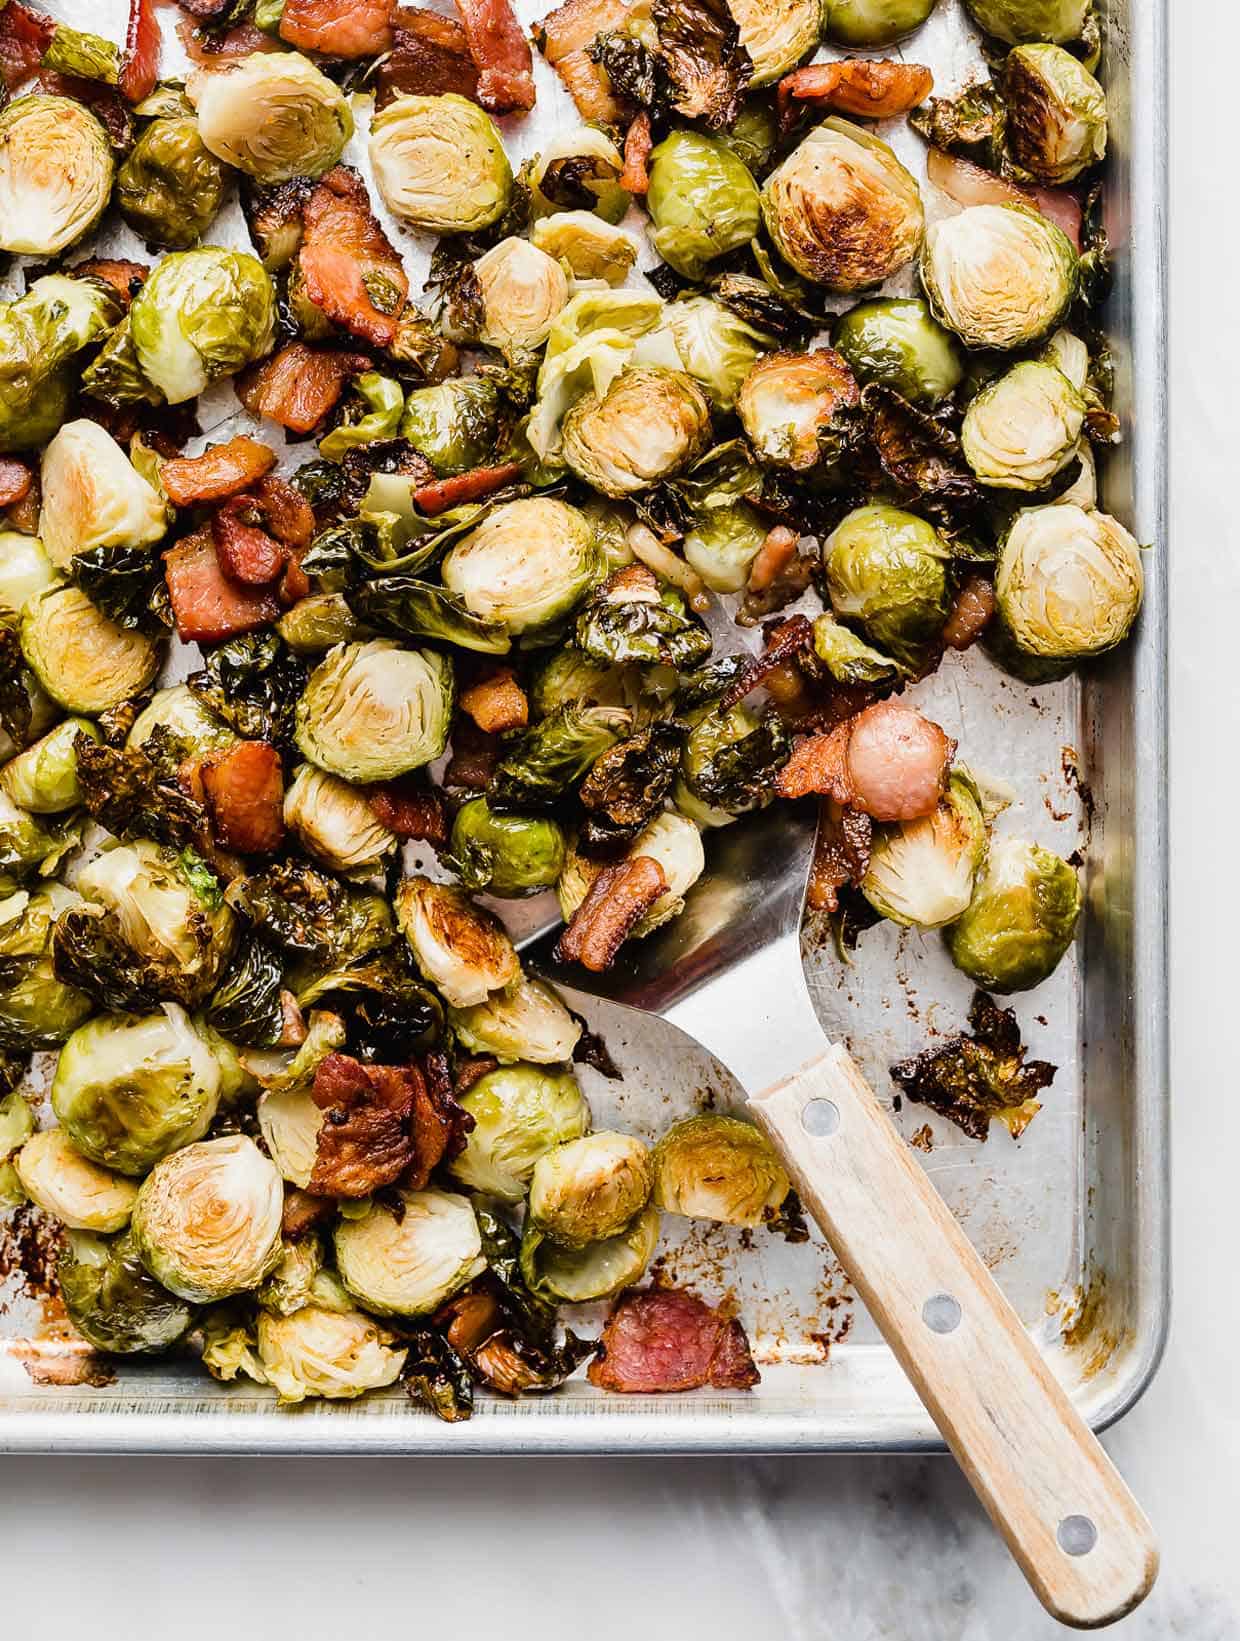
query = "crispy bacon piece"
{"x": 784, "y": 643}
{"x": 970, "y": 184}
{"x": 365, "y": 1141}
{"x": 618, "y": 899}
{"x": 566, "y": 34}
{"x": 411, "y": 810}
{"x": 776, "y": 553}
{"x": 498, "y": 45}
{"x": 339, "y": 28}
{"x": 430, "y": 57}
{"x": 16, "y": 480}
{"x": 468, "y": 1072}
{"x": 888, "y": 762}
{"x": 441, "y": 494}
{"x": 125, "y": 278}
{"x": 302, "y": 1213}
{"x": 474, "y": 756}
{"x": 140, "y": 62}
{"x": 874, "y": 88}
{"x": 293, "y": 1027}
{"x": 25, "y": 35}
{"x": 246, "y": 552}
{"x": 439, "y": 1125}
{"x": 638, "y": 142}
{"x": 819, "y": 763}
{"x": 497, "y": 703}
{"x": 289, "y": 516}
{"x": 244, "y": 791}
{"x": 212, "y": 50}
{"x": 349, "y": 266}
{"x": 23, "y": 515}
{"x": 298, "y": 386}
{"x": 665, "y": 1339}
{"x": 222, "y": 470}
{"x": 841, "y": 854}
{"x": 971, "y": 613}
{"x": 206, "y": 605}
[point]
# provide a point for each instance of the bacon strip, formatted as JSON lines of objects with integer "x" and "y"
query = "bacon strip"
{"x": 567, "y": 33}
{"x": 430, "y": 57}
{"x": 442, "y": 494}
{"x": 246, "y": 552}
{"x": 498, "y": 45}
{"x": 16, "y": 480}
{"x": 841, "y": 855}
{"x": 971, "y": 613}
{"x": 302, "y": 1213}
{"x": 209, "y": 49}
{"x": 888, "y": 762}
{"x": 874, "y": 88}
{"x": 206, "y": 605}
{"x": 638, "y": 142}
{"x": 618, "y": 899}
{"x": 289, "y": 516}
{"x": 125, "y": 278}
{"x": 786, "y": 641}
{"x": 244, "y": 792}
{"x": 347, "y": 260}
{"x": 338, "y": 28}
{"x": 25, "y": 35}
{"x": 298, "y": 386}
{"x": 439, "y": 1125}
{"x": 412, "y": 811}
{"x": 365, "y": 1141}
{"x": 665, "y": 1339}
{"x": 497, "y": 703}
{"x": 220, "y": 471}
{"x": 140, "y": 62}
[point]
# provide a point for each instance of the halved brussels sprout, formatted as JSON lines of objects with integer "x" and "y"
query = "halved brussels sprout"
{"x": 577, "y": 1275}
{"x": 93, "y": 496}
{"x": 921, "y": 872}
{"x": 178, "y": 709}
{"x": 887, "y": 571}
{"x": 507, "y": 855}
{"x": 171, "y": 186}
{"x": 673, "y": 840}
{"x": 287, "y": 1114}
{"x": 727, "y": 764}
{"x": 329, "y": 1353}
{"x": 207, "y": 1220}
{"x": 589, "y": 247}
{"x": 1023, "y": 428}
{"x": 723, "y": 544}
{"x": 897, "y": 341}
{"x": 702, "y": 201}
{"x": 650, "y": 423}
{"x": 82, "y": 659}
{"x": 30, "y": 844}
{"x": 378, "y": 404}
{"x": 371, "y": 712}
{"x": 459, "y": 947}
{"x": 130, "y": 1090}
{"x": 1000, "y": 276}
{"x": 580, "y": 167}
{"x": 43, "y": 779}
{"x": 591, "y": 1188}
{"x": 525, "y": 1021}
{"x": 527, "y": 564}
{"x": 799, "y": 409}
{"x": 841, "y": 208}
{"x": 39, "y": 334}
{"x": 520, "y": 1112}
{"x": 716, "y": 346}
{"x": 776, "y": 34}
{"x": 439, "y": 163}
{"x": 569, "y": 678}
{"x": 872, "y": 22}
{"x": 1068, "y": 582}
{"x": 1021, "y": 919}
{"x": 201, "y": 314}
{"x": 16, "y": 1127}
{"x": 59, "y": 1179}
{"x": 335, "y": 824}
{"x": 1015, "y": 21}
{"x": 523, "y": 290}
{"x": 453, "y": 424}
{"x": 1057, "y": 113}
{"x": 55, "y": 174}
{"x": 272, "y": 114}
{"x": 112, "y": 1299}
{"x": 407, "y": 1262}
{"x": 720, "y": 1168}
{"x": 25, "y": 570}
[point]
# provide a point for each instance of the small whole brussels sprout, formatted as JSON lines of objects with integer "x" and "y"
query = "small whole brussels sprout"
{"x": 524, "y": 1021}
{"x": 921, "y": 872}
{"x": 799, "y": 409}
{"x": 527, "y": 564}
{"x": 43, "y": 779}
{"x": 55, "y": 174}
{"x": 596, "y": 1271}
{"x": 887, "y": 571}
{"x": 272, "y": 114}
{"x": 898, "y": 342}
{"x": 872, "y": 22}
{"x": 112, "y": 1299}
{"x": 520, "y": 1112}
{"x": 318, "y": 623}
{"x": 1023, "y": 428}
{"x": 591, "y": 1188}
{"x": 523, "y": 290}
{"x": 334, "y": 1354}
{"x": 720, "y": 1168}
{"x": 1015, "y": 21}
{"x": 715, "y": 345}
{"x": 439, "y": 163}
{"x": 201, "y": 315}
{"x": 178, "y": 709}
{"x": 1068, "y": 582}
{"x": 841, "y": 208}
{"x": 129, "y": 1090}
{"x": 171, "y": 186}
{"x": 673, "y": 840}
{"x": 702, "y": 201}
{"x": 1020, "y": 921}
{"x": 776, "y": 34}
{"x": 1057, "y": 113}
{"x": 82, "y": 659}
{"x": 335, "y": 824}
{"x": 722, "y": 545}
{"x": 586, "y": 246}
{"x": 459, "y": 947}
{"x": 93, "y": 496}
{"x": 1000, "y": 276}
{"x": 507, "y": 855}
{"x": 37, "y": 1009}
{"x": 580, "y": 167}
{"x": 60, "y": 1180}
{"x": 650, "y": 423}
{"x": 454, "y": 424}
{"x": 207, "y": 1220}
{"x": 371, "y": 712}
{"x": 408, "y": 1263}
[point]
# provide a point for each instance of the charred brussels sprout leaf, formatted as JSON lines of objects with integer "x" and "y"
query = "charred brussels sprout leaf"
{"x": 113, "y": 1301}
{"x": 919, "y": 454}
{"x": 435, "y": 1376}
{"x": 14, "y": 688}
{"x": 127, "y": 584}
{"x": 253, "y": 683}
{"x": 707, "y": 67}
{"x": 553, "y": 754}
{"x": 247, "y": 1006}
{"x": 134, "y": 791}
{"x": 409, "y": 608}
{"x": 391, "y": 1013}
{"x": 849, "y": 659}
{"x": 170, "y": 188}
{"x": 730, "y": 761}
{"x": 310, "y": 914}
{"x": 627, "y": 785}
{"x": 651, "y": 631}
{"x": 37, "y": 1009}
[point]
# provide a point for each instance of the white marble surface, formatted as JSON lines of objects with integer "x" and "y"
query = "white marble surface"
{"x": 859, "y": 1550}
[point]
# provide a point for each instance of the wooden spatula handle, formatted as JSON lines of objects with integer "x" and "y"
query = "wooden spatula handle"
{"x": 1076, "y": 1531}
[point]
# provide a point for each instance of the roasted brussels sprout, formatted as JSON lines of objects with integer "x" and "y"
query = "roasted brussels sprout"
{"x": 406, "y": 1262}
{"x": 335, "y": 824}
{"x": 207, "y": 1220}
{"x": 1023, "y": 428}
{"x": 59, "y": 1179}
{"x": 43, "y": 779}
{"x": 459, "y": 947}
{"x": 776, "y": 34}
{"x": 55, "y": 174}
{"x": 1015, "y": 21}
{"x": 650, "y": 423}
{"x": 30, "y": 845}
{"x": 728, "y": 763}
{"x": 84, "y": 661}
{"x": 673, "y": 840}
{"x": 523, "y": 290}
{"x": 569, "y": 678}
{"x": 453, "y": 424}
{"x": 921, "y": 872}
{"x": 179, "y": 710}
{"x": 171, "y": 186}
{"x": 580, "y": 168}
{"x": 527, "y": 564}
{"x": 872, "y": 22}
{"x": 507, "y": 855}
{"x": 520, "y": 1112}
{"x": 898, "y": 342}
{"x": 591, "y": 1188}
{"x": 25, "y": 570}
{"x": 439, "y": 163}
{"x": 1068, "y": 582}
{"x": 1057, "y": 113}
{"x": 113, "y": 1301}
{"x": 720, "y": 1168}
{"x": 525, "y": 1021}
{"x": 374, "y": 711}
{"x": 702, "y": 201}
{"x": 335, "y": 1354}
{"x": 37, "y": 1010}
{"x": 39, "y": 335}
{"x": 379, "y": 402}
{"x": 93, "y": 496}
{"x": 272, "y": 114}
{"x": 1021, "y": 919}
{"x": 319, "y": 623}
{"x": 589, "y": 247}
{"x": 887, "y": 571}
{"x": 716, "y": 347}
{"x": 202, "y": 314}
{"x": 848, "y": 658}
{"x": 799, "y": 410}
{"x": 841, "y": 208}
{"x": 722, "y": 545}
{"x": 130, "y": 1090}
{"x": 1000, "y": 276}
{"x": 577, "y": 1275}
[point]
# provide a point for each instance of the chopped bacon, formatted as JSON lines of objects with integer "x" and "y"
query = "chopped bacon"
{"x": 498, "y": 45}
{"x": 220, "y": 471}
{"x": 206, "y": 605}
{"x": 365, "y": 1140}
{"x": 16, "y": 480}
{"x": 665, "y": 1339}
{"x": 298, "y": 386}
{"x": 617, "y": 900}
{"x": 430, "y": 57}
{"x": 786, "y": 640}
{"x": 497, "y": 703}
{"x": 566, "y": 34}
{"x": 411, "y": 810}
{"x": 474, "y": 756}
{"x": 441, "y": 494}
{"x": 302, "y": 1213}
{"x": 294, "y": 584}
{"x": 244, "y": 792}
{"x": 874, "y": 88}
{"x": 971, "y": 613}
{"x": 638, "y": 142}
{"x": 293, "y": 1022}
{"x": 888, "y": 762}
{"x": 246, "y": 552}
{"x": 23, "y": 515}
{"x": 140, "y": 63}
{"x": 339, "y": 28}
{"x": 819, "y": 763}
{"x": 841, "y": 854}
{"x": 25, "y": 35}
{"x": 970, "y": 184}
{"x": 440, "y": 1126}
{"x": 289, "y": 516}
{"x": 346, "y": 259}
{"x": 471, "y": 1071}
{"x": 104, "y": 102}
{"x": 778, "y": 549}
{"x": 211, "y": 50}
{"x": 125, "y": 278}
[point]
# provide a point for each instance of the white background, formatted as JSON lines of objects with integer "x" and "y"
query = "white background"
{"x": 741, "y": 1551}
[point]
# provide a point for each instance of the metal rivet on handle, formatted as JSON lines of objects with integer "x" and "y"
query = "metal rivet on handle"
{"x": 941, "y": 1313}
{"x": 1077, "y": 1535}
{"x": 820, "y": 1118}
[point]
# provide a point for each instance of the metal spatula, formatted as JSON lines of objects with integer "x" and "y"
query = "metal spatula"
{"x": 728, "y": 972}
